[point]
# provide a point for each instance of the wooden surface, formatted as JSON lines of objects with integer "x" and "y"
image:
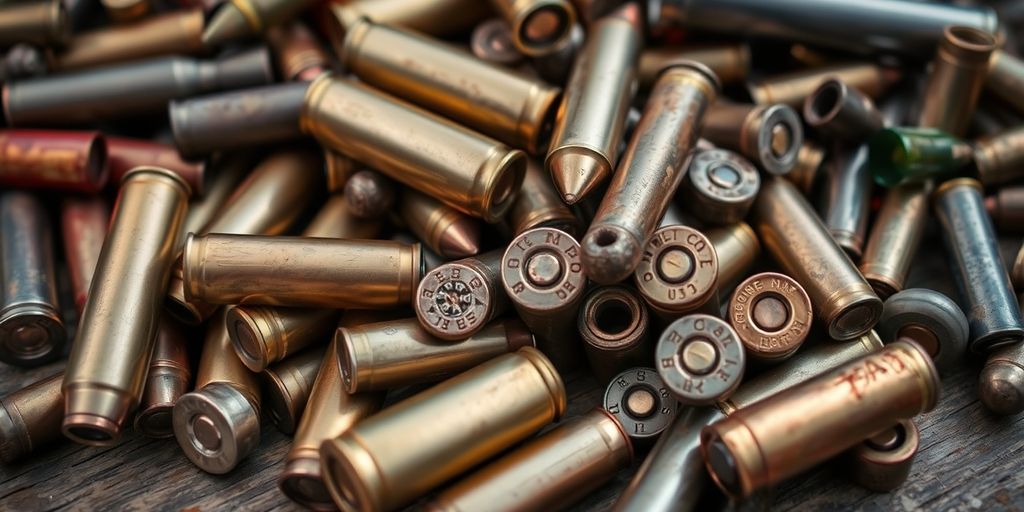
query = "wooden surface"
{"x": 969, "y": 459}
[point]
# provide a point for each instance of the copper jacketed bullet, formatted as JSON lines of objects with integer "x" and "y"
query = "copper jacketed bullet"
{"x": 287, "y": 385}
{"x": 932, "y": 320}
{"x": 40, "y": 22}
{"x": 894, "y": 238}
{"x": 720, "y": 186}
{"x": 492, "y": 41}
{"x": 369, "y": 194}
{"x": 123, "y": 309}
{"x": 539, "y": 205}
{"x": 240, "y": 19}
{"x": 958, "y": 71}
{"x": 443, "y": 229}
{"x": 392, "y": 354}
{"x": 1001, "y": 385}
{"x": 124, "y": 155}
{"x": 64, "y": 160}
{"x": 840, "y": 112}
{"x": 769, "y": 135}
{"x": 700, "y": 358}
{"x": 613, "y": 324}
{"x": 30, "y": 418}
{"x": 543, "y": 277}
{"x": 591, "y": 119}
{"x": 31, "y": 329}
{"x": 882, "y": 462}
{"x": 642, "y": 403}
{"x": 455, "y": 300}
{"x": 737, "y": 247}
{"x": 771, "y": 314}
{"x": 363, "y": 469}
{"x": 730, "y": 62}
{"x": 434, "y": 17}
{"x": 263, "y": 335}
{"x": 168, "y": 378}
{"x": 466, "y": 170}
{"x": 651, "y": 169}
{"x": 985, "y": 292}
{"x": 300, "y": 57}
{"x": 766, "y": 443}
{"x": 799, "y": 242}
{"x": 83, "y": 223}
{"x": 678, "y": 272}
{"x": 218, "y": 424}
{"x": 576, "y": 458}
{"x": 1000, "y": 159}
{"x": 486, "y": 97}
{"x": 791, "y": 89}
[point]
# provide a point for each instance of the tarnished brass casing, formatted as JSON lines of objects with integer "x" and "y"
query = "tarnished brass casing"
{"x": 124, "y": 155}
{"x": 287, "y": 386}
{"x": 263, "y": 335}
{"x": 300, "y": 58}
{"x": 792, "y": 88}
{"x": 169, "y": 377}
{"x": 50, "y": 159}
{"x": 882, "y": 462}
{"x": 454, "y": 301}
{"x": 539, "y": 205}
{"x": 769, "y": 135}
{"x": 83, "y": 223}
{"x": 737, "y": 247}
{"x": 958, "y": 71}
{"x": 538, "y": 27}
{"x": 772, "y": 316}
{"x": 613, "y": 324}
{"x": 30, "y": 418}
{"x": 1000, "y": 159}
{"x": 894, "y": 238}
{"x": 171, "y": 33}
{"x": 678, "y": 273}
{"x": 434, "y": 17}
{"x": 729, "y": 61}
{"x": 39, "y": 22}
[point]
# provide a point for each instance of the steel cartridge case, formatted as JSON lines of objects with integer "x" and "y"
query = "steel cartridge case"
{"x": 64, "y": 160}
{"x": 772, "y": 315}
{"x": 125, "y": 90}
{"x": 38, "y": 22}
{"x": 287, "y": 385}
{"x": 363, "y": 469}
{"x": 576, "y": 458}
{"x": 720, "y": 186}
{"x": 454, "y": 301}
{"x": 932, "y": 320}
{"x": 397, "y": 353}
{"x": 845, "y": 194}
{"x": 168, "y": 378}
{"x": 800, "y": 243}
{"x": 651, "y": 169}
{"x": 83, "y": 223}
{"x": 736, "y": 247}
{"x": 613, "y": 324}
{"x": 473, "y": 174}
{"x": 840, "y": 112}
{"x": 233, "y": 20}
{"x": 263, "y": 335}
{"x": 543, "y": 277}
{"x": 124, "y": 155}
{"x": 485, "y": 97}
{"x": 730, "y": 62}
{"x": 537, "y": 26}
{"x": 882, "y": 462}
{"x": 30, "y": 418}
{"x": 793, "y": 88}
{"x": 678, "y": 272}
{"x": 958, "y": 71}
{"x": 764, "y": 444}
{"x": 641, "y": 402}
{"x": 591, "y": 119}
{"x": 770, "y": 136}
{"x": 539, "y": 205}
{"x": 31, "y": 329}
{"x": 1000, "y": 159}
{"x": 443, "y": 229}
{"x": 123, "y": 309}
{"x": 895, "y": 237}
{"x": 985, "y": 293}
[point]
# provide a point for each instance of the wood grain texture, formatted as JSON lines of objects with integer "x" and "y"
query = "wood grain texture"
{"x": 969, "y": 459}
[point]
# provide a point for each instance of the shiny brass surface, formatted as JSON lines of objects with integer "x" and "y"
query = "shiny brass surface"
{"x": 1001, "y": 384}
{"x": 171, "y": 33}
{"x": 1006, "y": 78}
{"x": 641, "y": 402}
{"x": 83, "y": 223}
{"x": 387, "y": 461}
{"x": 537, "y": 26}
{"x": 737, "y": 247}
{"x": 882, "y": 462}
{"x": 700, "y": 359}
{"x": 791, "y": 88}
{"x": 234, "y": 20}
{"x": 50, "y": 159}
{"x": 334, "y": 220}
{"x": 169, "y": 377}
{"x": 729, "y": 61}
{"x": 720, "y": 186}
{"x": 30, "y": 418}
{"x": 772, "y": 316}
{"x": 443, "y": 229}
{"x": 123, "y": 309}
{"x": 287, "y": 386}
{"x": 226, "y": 172}
{"x": 455, "y": 300}
{"x": 468, "y": 171}
{"x": 678, "y": 273}
{"x": 769, "y": 135}
{"x": 434, "y": 17}
{"x": 263, "y": 335}
{"x": 958, "y": 71}
{"x": 1000, "y": 159}
{"x": 613, "y": 323}
{"x": 539, "y": 205}
{"x": 895, "y": 237}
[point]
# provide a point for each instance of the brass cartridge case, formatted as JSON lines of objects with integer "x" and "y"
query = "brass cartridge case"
{"x": 895, "y": 237}
{"x": 264, "y": 335}
{"x": 764, "y": 444}
{"x": 1006, "y": 78}
{"x": 700, "y": 359}
{"x": 124, "y": 155}
{"x": 769, "y": 135}
{"x": 171, "y": 33}
{"x": 330, "y": 411}
{"x": 473, "y": 174}
{"x": 983, "y": 286}
{"x": 792, "y": 88}
{"x": 640, "y": 402}
{"x": 486, "y": 97}
{"x": 300, "y": 57}
{"x": 65, "y": 160}
{"x": 337, "y": 168}
{"x": 678, "y": 273}
{"x": 226, "y": 172}
{"x": 613, "y": 324}
{"x": 300, "y": 271}
{"x": 537, "y": 26}
{"x": 591, "y": 119}
{"x": 240, "y": 119}
{"x": 365, "y": 469}
{"x": 539, "y": 205}
{"x": 1006, "y": 207}
{"x": 555, "y": 67}
{"x": 799, "y": 242}
{"x": 932, "y": 320}
{"x": 720, "y": 186}
{"x": 771, "y": 314}
{"x": 1000, "y": 159}
{"x": 1001, "y": 385}
{"x": 397, "y": 353}
{"x": 30, "y": 418}
{"x": 434, "y": 17}
{"x": 651, "y": 169}
{"x": 369, "y": 194}
{"x": 575, "y": 458}
{"x": 729, "y": 61}
{"x": 123, "y": 309}
{"x": 455, "y": 300}
{"x": 840, "y": 112}
{"x": 83, "y": 223}
{"x": 233, "y": 20}
{"x": 37, "y": 22}
{"x": 543, "y": 277}
{"x": 126, "y": 11}
{"x": 31, "y": 329}
{"x": 287, "y": 385}
{"x": 959, "y": 71}
{"x": 845, "y": 195}
{"x": 882, "y": 462}
{"x": 805, "y": 171}
{"x": 129, "y": 89}
{"x": 737, "y": 247}
{"x": 443, "y": 229}
{"x": 168, "y": 378}
{"x": 218, "y": 424}
{"x": 492, "y": 41}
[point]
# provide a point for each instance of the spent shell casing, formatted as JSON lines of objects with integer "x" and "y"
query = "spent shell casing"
{"x": 300, "y": 57}
{"x": 287, "y": 386}
{"x": 1006, "y": 208}
{"x": 805, "y": 171}
{"x": 678, "y": 273}
{"x": 769, "y": 135}
{"x": 895, "y": 237}
{"x": 641, "y": 402}
{"x": 434, "y": 17}
{"x": 613, "y": 324}
{"x": 492, "y": 41}
{"x": 1000, "y": 159}
{"x": 39, "y": 22}
{"x": 537, "y": 26}
{"x": 169, "y": 377}
{"x": 1001, "y": 385}
{"x": 30, "y": 418}
{"x": 264, "y": 335}
{"x": 233, "y": 20}
{"x": 729, "y": 61}
{"x": 772, "y": 315}
{"x": 737, "y": 247}
{"x": 720, "y": 186}
{"x": 125, "y": 154}
{"x": 50, "y": 159}
{"x": 882, "y": 462}
{"x": 454, "y": 301}
{"x": 701, "y": 359}
{"x": 844, "y": 196}
{"x": 840, "y": 112}
{"x": 1006, "y": 77}
{"x": 958, "y": 70}
{"x": 793, "y": 88}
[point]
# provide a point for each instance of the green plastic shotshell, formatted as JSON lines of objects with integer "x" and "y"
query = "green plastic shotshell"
{"x": 902, "y": 155}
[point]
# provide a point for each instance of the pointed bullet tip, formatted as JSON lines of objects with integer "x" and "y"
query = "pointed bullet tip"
{"x": 461, "y": 239}
{"x": 576, "y": 173}
{"x": 227, "y": 24}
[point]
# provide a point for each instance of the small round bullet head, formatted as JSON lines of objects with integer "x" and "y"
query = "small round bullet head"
{"x": 216, "y": 427}
{"x": 610, "y": 253}
{"x": 1001, "y": 385}
{"x": 641, "y": 403}
{"x": 369, "y": 194}
{"x": 931, "y": 319}
{"x": 700, "y": 358}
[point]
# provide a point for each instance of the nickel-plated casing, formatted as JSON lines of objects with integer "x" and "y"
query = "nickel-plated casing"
{"x": 169, "y": 377}
{"x": 263, "y": 335}
{"x": 931, "y": 319}
{"x": 30, "y": 418}
{"x": 700, "y": 358}
{"x": 455, "y": 300}
{"x": 792, "y": 88}
{"x": 729, "y": 61}
{"x": 1000, "y": 159}
{"x": 897, "y": 232}
{"x": 39, "y": 22}
{"x": 468, "y": 171}
{"x": 613, "y": 323}
{"x": 538, "y": 27}
{"x": 845, "y": 194}
{"x": 66, "y": 160}
{"x": 737, "y": 247}
{"x": 125, "y": 154}
{"x": 287, "y": 386}
{"x": 769, "y": 135}
{"x": 800, "y": 243}
{"x": 389, "y": 460}
{"x": 123, "y": 309}
{"x": 539, "y": 205}
{"x": 83, "y": 223}
{"x": 958, "y": 71}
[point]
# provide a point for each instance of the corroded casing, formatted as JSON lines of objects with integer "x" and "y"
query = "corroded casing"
{"x": 169, "y": 377}
{"x": 958, "y": 71}
{"x": 30, "y": 418}
{"x": 882, "y": 462}
{"x": 769, "y": 135}
{"x": 613, "y": 324}
{"x": 1000, "y": 159}
{"x": 125, "y": 154}
{"x": 443, "y": 229}
{"x": 287, "y": 386}
{"x": 792, "y": 88}
{"x": 840, "y": 112}
{"x": 263, "y": 335}
{"x": 844, "y": 197}
{"x": 171, "y": 33}
{"x": 894, "y": 239}
{"x": 720, "y": 186}
{"x": 65, "y": 160}
{"x": 455, "y": 300}
{"x": 234, "y": 20}
{"x": 83, "y": 223}
{"x": 434, "y": 17}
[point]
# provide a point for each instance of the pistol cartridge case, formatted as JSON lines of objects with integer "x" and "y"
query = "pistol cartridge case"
{"x": 882, "y": 462}
{"x": 1000, "y": 159}
{"x": 793, "y": 88}
{"x": 613, "y": 324}
{"x": 1001, "y": 385}
{"x": 124, "y": 155}
{"x": 841, "y": 112}
{"x": 65, "y": 160}
{"x": 720, "y": 186}
{"x": 737, "y": 247}
{"x": 455, "y": 300}
{"x": 300, "y": 57}
{"x": 38, "y": 22}
{"x": 769, "y": 135}
{"x": 772, "y": 315}
{"x": 83, "y": 224}
{"x": 121, "y": 314}
{"x": 264, "y": 335}
{"x": 30, "y": 418}
{"x": 287, "y": 385}
{"x": 730, "y": 62}
{"x": 641, "y": 402}
{"x": 700, "y": 359}
{"x": 168, "y": 378}
{"x": 539, "y": 205}
{"x": 761, "y": 445}
{"x": 844, "y": 197}
{"x": 678, "y": 273}
{"x": 895, "y": 237}
{"x": 932, "y": 320}
{"x": 443, "y": 229}
{"x": 240, "y": 19}
{"x": 537, "y": 26}
{"x": 901, "y": 155}
{"x": 473, "y": 174}
{"x": 959, "y": 70}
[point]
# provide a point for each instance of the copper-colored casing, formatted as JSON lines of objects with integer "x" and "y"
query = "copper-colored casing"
{"x": 287, "y": 386}
{"x": 392, "y": 354}
{"x": 263, "y": 335}
{"x": 613, "y": 323}
{"x": 171, "y": 33}
{"x": 791, "y": 89}
{"x": 764, "y": 444}
{"x": 576, "y": 458}
{"x": 455, "y": 300}
{"x": 730, "y": 62}
{"x": 106, "y": 371}
{"x": 39, "y": 22}
{"x": 125, "y": 11}
{"x": 773, "y": 330}
{"x": 169, "y": 377}
{"x": 1006, "y": 78}
{"x": 30, "y": 418}
{"x": 737, "y": 247}
{"x": 486, "y": 97}
{"x": 389, "y": 460}
{"x": 539, "y": 205}
{"x": 899, "y": 226}
{"x": 538, "y": 27}
{"x": 299, "y": 54}
{"x": 958, "y": 71}
{"x": 792, "y": 232}
{"x": 443, "y": 229}
{"x": 678, "y": 273}
{"x": 66, "y": 160}
{"x": 300, "y": 271}
{"x": 83, "y": 223}
{"x": 434, "y": 17}
{"x": 1000, "y": 159}
{"x": 470, "y": 172}
{"x": 125, "y": 154}
{"x": 884, "y": 468}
